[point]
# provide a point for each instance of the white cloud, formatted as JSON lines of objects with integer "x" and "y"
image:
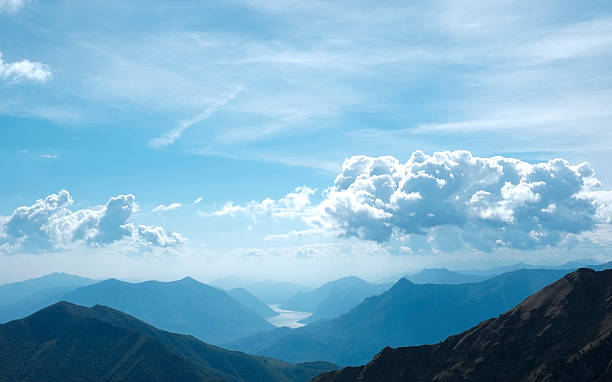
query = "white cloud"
{"x": 157, "y": 236}
{"x": 456, "y": 197}
{"x": 50, "y": 224}
{"x": 174, "y": 134}
{"x": 229, "y": 209}
{"x": 293, "y": 205}
{"x": 197, "y": 201}
{"x": 169, "y": 207}
{"x": 49, "y": 156}
{"x": 24, "y": 69}
{"x": 12, "y": 6}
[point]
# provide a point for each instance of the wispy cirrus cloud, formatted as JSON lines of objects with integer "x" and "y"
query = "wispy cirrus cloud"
{"x": 170, "y": 137}
{"x": 169, "y": 207}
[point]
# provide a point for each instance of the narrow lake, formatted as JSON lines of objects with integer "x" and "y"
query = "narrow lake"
{"x": 288, "y": 318}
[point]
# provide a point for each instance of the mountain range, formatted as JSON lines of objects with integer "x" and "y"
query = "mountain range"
{"x": 14, "y": 292}
{"x": 333, "y": 298}
{"x": 184, "y": 306}
{"x": 406, "y": 314}
{"x": 252, "y": 302}
{"x": 562, "y": 333}
{"x": 444, "y": 276}
{"x": 67, "y": 342}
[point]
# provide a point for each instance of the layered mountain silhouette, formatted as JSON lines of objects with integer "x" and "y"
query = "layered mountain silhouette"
{"x": 274, "y": 292}
{"x": 444, "y": 276}
{"x": 67, "y": 342}
{"x": 407, "y": 314}
{"x": 14, "y": 292}
{"x": 23, "y": 298}
{"x": 562, "y": 333}
{"x": 333, "y": 298}
{"x": 184, "y": 306}
{"x": 250, "y": 301}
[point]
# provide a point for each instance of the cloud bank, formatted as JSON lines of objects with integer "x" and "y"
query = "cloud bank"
{"x": 483, "y": 203}
{"x": 49, "y": 224}
{"x": 23, "y": 70}
{"x": 448, "y": 201}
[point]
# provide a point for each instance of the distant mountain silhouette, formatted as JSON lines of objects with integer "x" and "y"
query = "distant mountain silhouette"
{"x": 11, "y": 293}
{"x": 185, "y": 306}
{"x": 250, "y": 301}
{"x": 333, "y": 298}
{"x": 32, "y": 303}
{"x": 407, "y": 314}
{"x": 562, "y": 333}
{"x": 570, "y": 265}
{"x": 444, "y": 276}
{"x": 274, "y": 292}
{"x": 231, "y": 282}
{"x": 67, "y": 342}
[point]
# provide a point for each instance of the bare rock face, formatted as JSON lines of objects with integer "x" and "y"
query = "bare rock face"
{"x": 562, "y": 333}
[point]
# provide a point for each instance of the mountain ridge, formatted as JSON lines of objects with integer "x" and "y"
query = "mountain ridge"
{"x": 561, "y": 333}
{"x": 69, "y": 342}
{"x": 406, "y": 314}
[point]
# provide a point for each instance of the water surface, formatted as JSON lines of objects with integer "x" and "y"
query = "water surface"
{"x": 288, "y": 318}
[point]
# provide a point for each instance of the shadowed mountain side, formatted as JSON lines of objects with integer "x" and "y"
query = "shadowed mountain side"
{"x": 72, "y": 343}
{"x": 407, "y": 314}
{"x": 184, "y": 306}
{"x": 333, "y": 298}
{"x": 250, "y": 301}
{"x": 562, "y": 333}
{"x": 14, "y": 292}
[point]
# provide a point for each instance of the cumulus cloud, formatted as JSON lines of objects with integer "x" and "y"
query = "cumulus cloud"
{"x": 169, "y": 207}
{"x": 157, "y": 236}
{"x": 456, "y": 199}
{"x": 50, "y": 224}
{"x": 293, "y": 205}
{"x": 12, "y": 6}
{"x": 23, "y": 70}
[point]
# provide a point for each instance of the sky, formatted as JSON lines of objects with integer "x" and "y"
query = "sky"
{"x": 302, "y": 140}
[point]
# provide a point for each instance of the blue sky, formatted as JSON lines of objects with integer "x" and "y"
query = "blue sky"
{"x": 242, "y": 101}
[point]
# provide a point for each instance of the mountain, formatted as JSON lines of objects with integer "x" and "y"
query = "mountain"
{"x": 274, "y": 292}
{"x": 407, "y": 314}
{"x": 67, "y": 342}
{"x": 602, "y": 267}
{"x": 231, "y": 282}
{"x": 570, "y": 265}
{"x": 32, "y": 303}
{"x": 184, "y": 306}
{"x": 333, "y": 298}
{"x": 444, "y": 276}
{"x": 562, "y": 333}
{"x": 247, "y": 299}
{"x": 11, "y": 293}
